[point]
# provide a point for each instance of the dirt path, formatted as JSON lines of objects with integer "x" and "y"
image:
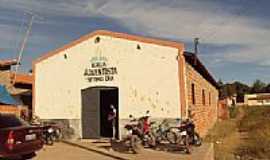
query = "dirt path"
{"x": 61, "y": 151}
{"x": 245, "y": 137}
{"x": 227, "y": 137}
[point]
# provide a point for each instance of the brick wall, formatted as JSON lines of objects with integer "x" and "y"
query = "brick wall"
{"x": 223, "y": 110}
{"x": 17, "y": 110}
{"x": 9, "y": 109}
{"x": 204, "y": 115}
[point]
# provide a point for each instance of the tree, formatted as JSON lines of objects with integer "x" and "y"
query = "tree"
{"x": 267, "y": 88}
{"x": 226, "y": 90}
{"x": 241, "y": 90}
{"x": 222, "y": 89}
{"x": 220, "y": 83}
{"x": 258, "y": 86}
{"x": 236, "y": 88}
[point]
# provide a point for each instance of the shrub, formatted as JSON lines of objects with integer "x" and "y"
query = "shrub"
{"x": 233, "y": 111}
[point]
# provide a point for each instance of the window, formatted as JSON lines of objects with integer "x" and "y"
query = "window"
{"x": 203, "y": 97}
{"x": 209, "y": 98}
{"x": 193, "y": 93}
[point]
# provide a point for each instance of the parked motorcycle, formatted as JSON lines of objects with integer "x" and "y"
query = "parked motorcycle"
{"x": 142, "y": 130}
{"x": 182, "y": 137}
{"x": 194, "y": 137}
{"x": 146, "y": 133}
{"x": 132, "y": 141}
{"x": 48, "y": 135}
{"x": 57, "y": 131}
{"x": 186, "y": 135}
{"x": 52, "y": 132}
{"x": 164, "y": 133}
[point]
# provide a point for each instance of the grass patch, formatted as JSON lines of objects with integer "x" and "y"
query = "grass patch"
{"x": 245, "y": 136}
{"x": 224, "y": 138}
{"x": 256, "y": 124}
{"x": 233, "y": 111}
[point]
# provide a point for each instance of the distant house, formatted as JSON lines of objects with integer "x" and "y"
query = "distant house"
{"x": 257, "y": 99}
{"x": 230, "y": 100}
{"x": 17, "y": 87}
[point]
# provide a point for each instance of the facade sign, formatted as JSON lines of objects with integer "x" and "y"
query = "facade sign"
{"x": 99, "y": 70}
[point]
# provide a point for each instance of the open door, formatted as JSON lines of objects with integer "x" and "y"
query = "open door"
{"x": 108, "y": 97}
{"x": 96, "y": 103}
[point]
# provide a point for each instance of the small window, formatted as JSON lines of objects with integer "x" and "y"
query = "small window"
{"x": 138, "y": 47}
{"x": 203, "y": 97}
{"x": 97, "y": 40}
{"x": 209, "y": 98}
{"x": 193, "y": 93}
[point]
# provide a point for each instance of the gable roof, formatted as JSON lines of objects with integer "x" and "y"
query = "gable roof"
{"x": 195, "y": 62}
{"x": 161, "y": 42}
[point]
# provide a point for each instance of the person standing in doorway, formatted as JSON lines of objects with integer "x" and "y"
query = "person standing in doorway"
{"x": 112, "y": 120}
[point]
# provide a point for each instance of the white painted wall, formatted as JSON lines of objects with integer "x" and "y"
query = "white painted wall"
{"x": 250, "y": 102}
{"x": 147, "y": 79}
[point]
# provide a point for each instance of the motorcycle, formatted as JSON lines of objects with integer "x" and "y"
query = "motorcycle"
{"x": 132, "y": 141}
{"x": 57, "y": 132}
{"x": 194, "y": 137}
{"x": 146, "y": 134}
{"x": 141, "y": 129}
{"x": 164, "y": 133}
{"x": 48, "y": 135}
{"x": 51, "y": 133}
{"x": 186, "y": 135}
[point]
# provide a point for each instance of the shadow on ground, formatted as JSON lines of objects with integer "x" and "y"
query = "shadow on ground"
{"x": 120, "y": 146}
{"x": 26, "y": 157}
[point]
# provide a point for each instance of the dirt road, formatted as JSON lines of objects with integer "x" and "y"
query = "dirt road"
{"x": 88, "y": 150}
{"x": 61, "y": 151}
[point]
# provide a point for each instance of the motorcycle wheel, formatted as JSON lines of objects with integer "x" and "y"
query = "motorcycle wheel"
{"x": 171, "y": 137}
{"x": 135, "y": 144}
{"x": 151, "y": 140}
{"x": 49, "y": 140}
{"x": 197, "y": 140}
{"x": 186, "y": 140}
{"x": 58, "y": 135}
{"x": 158, "y": 139}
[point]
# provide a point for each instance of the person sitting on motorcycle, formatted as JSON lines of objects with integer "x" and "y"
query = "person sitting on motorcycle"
{"x": 146, "y": 122}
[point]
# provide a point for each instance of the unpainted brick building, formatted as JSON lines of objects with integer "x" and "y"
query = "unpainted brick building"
{"x": 202, "y": 94}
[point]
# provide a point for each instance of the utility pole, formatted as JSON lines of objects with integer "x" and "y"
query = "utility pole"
{"x": 23, "y": 46}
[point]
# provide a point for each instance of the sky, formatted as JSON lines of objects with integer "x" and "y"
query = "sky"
{"x": 234, "y": 34}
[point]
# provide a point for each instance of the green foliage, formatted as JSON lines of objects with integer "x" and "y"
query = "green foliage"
{"x": 233, "y": 112}
{"x": 258, "y": 86}
{"x": 236, "y": 88}
{"x": 256, "y": 124}
{"x": 240, "y": 89}
{"x": 245, "y": 137}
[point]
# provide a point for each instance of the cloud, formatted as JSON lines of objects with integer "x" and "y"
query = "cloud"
{"x": 215, "y": 22}
{"x": 212, "y": 22}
